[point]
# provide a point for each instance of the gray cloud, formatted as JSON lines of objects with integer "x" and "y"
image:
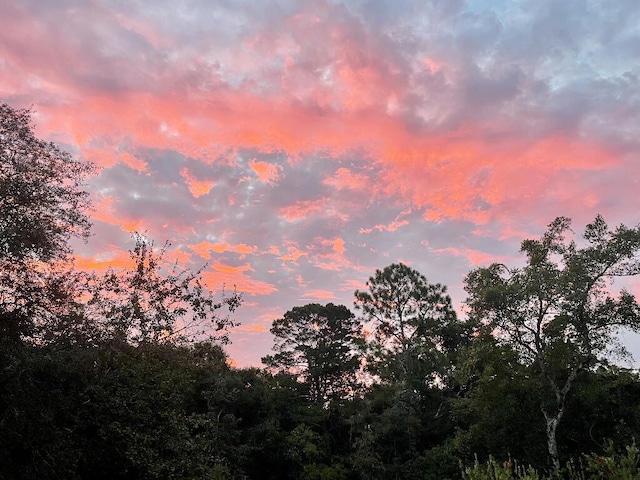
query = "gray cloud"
{"x": 436, "y": 132}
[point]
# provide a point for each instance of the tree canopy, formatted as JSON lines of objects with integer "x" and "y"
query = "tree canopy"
{"x": 557, "y": 311}
{"x": 323, "y": 345}
{"x": 414, "y": 324}
{"x": 42, "y": 200}
{"x": 154, "y": 301}
{"x": 42, "y": 206}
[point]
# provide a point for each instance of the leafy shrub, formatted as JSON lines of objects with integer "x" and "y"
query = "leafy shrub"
{"x": 494, "y": 470}
{"x": 611, "y": 466}
{"x": 614, "y": 466}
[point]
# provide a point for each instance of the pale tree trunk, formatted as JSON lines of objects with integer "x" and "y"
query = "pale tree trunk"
{"x": 553, "y": 420}
{"x": 552, "y": 443}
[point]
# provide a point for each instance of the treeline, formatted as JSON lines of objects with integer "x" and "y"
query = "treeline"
{"x": 165, "y": 411}
{"x": 123, "y": 374}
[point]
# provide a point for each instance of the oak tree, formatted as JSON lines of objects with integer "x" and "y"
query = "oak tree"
{"x": 558, "y": 312}
{"x": 43, "y": 205}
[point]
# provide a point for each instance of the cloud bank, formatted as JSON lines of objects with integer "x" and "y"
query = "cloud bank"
{"x": 296, "y": 146}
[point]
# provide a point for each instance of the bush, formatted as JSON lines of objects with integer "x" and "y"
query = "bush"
{"x": 611, "y": 466}
{"x": 614, "y": 466}
{"x": 494, "y": 470}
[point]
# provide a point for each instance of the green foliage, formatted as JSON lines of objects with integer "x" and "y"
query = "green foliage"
{"x": 115, "y": 412}
{"x": 498, "y": 407}
{"x": 614, "y": 466}
{"x": 610, "y": 466}
{"x": 556, "y": 312}
{"x": 494, "y": 470}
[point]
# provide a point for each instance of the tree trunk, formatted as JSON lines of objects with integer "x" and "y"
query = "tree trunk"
{"x": 552, "y": 443}
{"x": 553, "y": 421}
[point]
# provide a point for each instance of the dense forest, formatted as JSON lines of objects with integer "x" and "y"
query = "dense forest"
{"x": 123, "y": 374}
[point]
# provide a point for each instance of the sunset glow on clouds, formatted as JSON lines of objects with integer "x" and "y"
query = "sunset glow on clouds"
{"x": 296, "y": 146}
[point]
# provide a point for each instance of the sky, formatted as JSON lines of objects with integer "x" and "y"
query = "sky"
{"x": 294, "y": 147}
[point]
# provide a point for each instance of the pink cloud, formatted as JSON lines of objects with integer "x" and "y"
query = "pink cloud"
{"x": 352, "y": 285}
{"x": 344, "y": 179}
{"x": 329, "y": 265}
{"x": 133, "y": 162}
{"x": 197, "y": 187}
{"x": 267, "y": 172}
{"x": 432, "y": 65}
{"x": 204, "y": 249}
{"x": 371, "y": 124}
{"x": 473, "y": 257}
{"x": 293, "y": 254}
{"x": 302, "y": 209}
{"x": 319, "y": 295}
{"x": 236, "y": 277}
{"x": 448, "y": 162}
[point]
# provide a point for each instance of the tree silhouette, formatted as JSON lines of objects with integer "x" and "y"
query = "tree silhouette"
{"x": 320, "y": 344}
{"x": 557, "y": 312}
{"x": 42, "y": 206}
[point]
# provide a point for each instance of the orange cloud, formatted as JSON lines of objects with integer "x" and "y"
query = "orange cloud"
{"x": 105, "y": 211}
{"x": 273, "y": 250}
{"x": 251, "y": 328}
{"x": 204, "y": 249}
{"x": 178, "y": 256}
{"x": 267, "y": 173}
{"x": 133, "y": 162}
{"x": 230, "y": 276}
{"x": 115, "y": 258}
{"x": 302, "y": 209}
{"x": 197, "y": 187}
{"x": 392, "y": 227}
{"x": 319, "y": 294}
{"x": 328, "y": 254}
{"x": 293, "y": 254}
{"x": 344, "y": 179}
